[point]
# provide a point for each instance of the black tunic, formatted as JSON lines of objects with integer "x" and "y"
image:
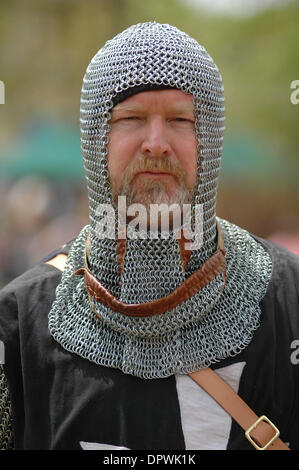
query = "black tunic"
{"x": 60, "y": 399}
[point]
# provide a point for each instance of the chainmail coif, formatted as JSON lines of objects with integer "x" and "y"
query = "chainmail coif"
{"x": 212, "y": 324}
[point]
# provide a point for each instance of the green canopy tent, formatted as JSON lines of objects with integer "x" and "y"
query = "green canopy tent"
{"x": 249, "y": 159}
{"x": 50, "y": 150}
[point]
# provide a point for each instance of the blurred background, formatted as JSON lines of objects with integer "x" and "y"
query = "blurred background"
{"x": 45, "y": 47}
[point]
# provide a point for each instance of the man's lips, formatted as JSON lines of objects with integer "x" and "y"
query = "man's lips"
{"x": 155, "y": 174}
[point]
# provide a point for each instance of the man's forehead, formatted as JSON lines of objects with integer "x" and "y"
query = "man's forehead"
{"x": 174, "y": 99}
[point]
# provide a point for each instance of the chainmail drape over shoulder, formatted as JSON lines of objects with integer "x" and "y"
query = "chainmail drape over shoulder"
{"x": 212, "y": 324}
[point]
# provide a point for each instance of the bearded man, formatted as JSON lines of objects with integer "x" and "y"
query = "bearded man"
{"x": 125, "y": 338}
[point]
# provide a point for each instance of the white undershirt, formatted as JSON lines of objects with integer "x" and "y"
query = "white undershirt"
{"x": 206, "y": 426}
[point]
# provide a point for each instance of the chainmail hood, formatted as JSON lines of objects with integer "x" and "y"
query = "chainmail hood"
{"x": 213, "y": 323}
{"x": 150, "y": 54}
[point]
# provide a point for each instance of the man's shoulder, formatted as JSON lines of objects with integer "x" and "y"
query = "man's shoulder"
{"x": 30, "y": 277}
{"x": 284, "y": 262}
{"x": 29, "y": 295}
{"x": 282, "y": 296}
{"x": 39, "y": 274}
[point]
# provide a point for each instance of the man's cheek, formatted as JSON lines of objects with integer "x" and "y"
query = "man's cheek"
{"x": 191, "y": 178}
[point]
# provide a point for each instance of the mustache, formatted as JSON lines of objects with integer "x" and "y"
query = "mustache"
{"x": 155, "y": 164}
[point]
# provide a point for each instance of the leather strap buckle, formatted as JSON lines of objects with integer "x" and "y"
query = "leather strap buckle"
{"x": 254, "y": 425}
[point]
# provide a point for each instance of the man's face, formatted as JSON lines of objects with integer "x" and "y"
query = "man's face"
{"x": 152, "y": 150}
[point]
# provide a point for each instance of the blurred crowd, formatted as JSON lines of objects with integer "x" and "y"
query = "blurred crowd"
{"x": 37, "y": 216}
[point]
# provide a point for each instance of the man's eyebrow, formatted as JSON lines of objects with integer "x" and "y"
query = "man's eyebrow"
{"x": 125, "y": 107}
{"x": 182, "y": 108}
{"x": 175, "y": 108}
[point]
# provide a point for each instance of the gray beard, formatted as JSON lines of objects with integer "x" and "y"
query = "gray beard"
{"x": 155, "y": 193}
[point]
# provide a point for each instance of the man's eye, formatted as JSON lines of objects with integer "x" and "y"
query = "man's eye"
{"x": 183, "y": 120}
{"x": 123, "y": 119}
{"x": 128, "y": 118}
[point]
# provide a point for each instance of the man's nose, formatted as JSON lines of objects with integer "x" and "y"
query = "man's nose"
{"x": 156, "y": 142}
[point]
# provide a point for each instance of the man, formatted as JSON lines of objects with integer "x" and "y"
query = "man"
{"x": 100, "y": 338}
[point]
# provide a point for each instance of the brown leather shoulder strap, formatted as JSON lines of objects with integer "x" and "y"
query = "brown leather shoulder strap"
{"x": 211, "y": 268}
{"x": 259, "y": 431}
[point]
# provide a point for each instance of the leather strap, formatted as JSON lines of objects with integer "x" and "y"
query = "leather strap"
{"x": 211, "y": 268}
{"x": 233, "y": 404}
